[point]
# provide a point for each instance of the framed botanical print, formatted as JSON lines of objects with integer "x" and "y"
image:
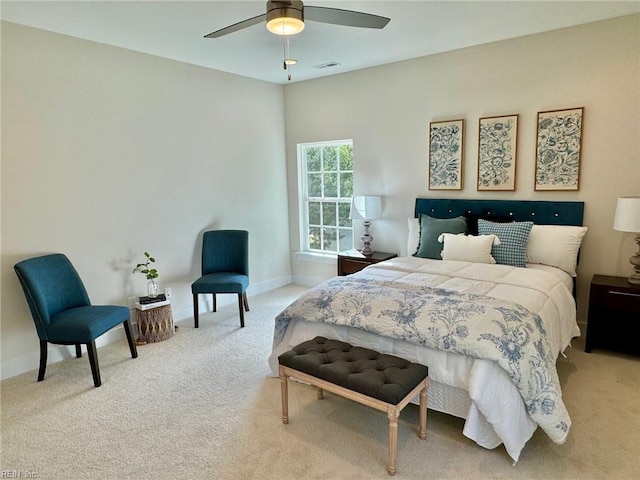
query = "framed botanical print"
{"x": 558, "y": 149}
{"x": 446, "y": 155}
{"x": 497, "y": 149}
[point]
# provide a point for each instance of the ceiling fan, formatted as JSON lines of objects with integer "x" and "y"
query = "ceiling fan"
{"x": 287, "y": 18}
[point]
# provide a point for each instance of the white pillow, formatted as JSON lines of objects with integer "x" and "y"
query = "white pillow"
{"x": 414, "y": 235}
{"x": 469, "y": 248}
{"x": 556, "y": 246}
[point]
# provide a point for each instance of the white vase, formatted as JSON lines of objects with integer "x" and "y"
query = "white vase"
{"x": 152, "y": 288}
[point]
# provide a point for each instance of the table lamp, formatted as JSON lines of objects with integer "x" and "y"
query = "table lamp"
{"x": 366, "y": 207}
{"x": 627, "y": 219}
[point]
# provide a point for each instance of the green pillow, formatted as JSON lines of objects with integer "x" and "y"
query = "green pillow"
{"x": 431, "y": 228}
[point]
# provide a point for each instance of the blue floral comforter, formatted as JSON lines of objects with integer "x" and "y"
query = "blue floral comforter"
{"x": 473, "y": 325}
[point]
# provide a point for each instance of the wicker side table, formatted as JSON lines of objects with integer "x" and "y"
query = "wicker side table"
{"x": 155, "y": 324}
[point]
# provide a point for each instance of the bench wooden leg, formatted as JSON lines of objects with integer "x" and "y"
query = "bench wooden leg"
{"x": 423, "y": 411}
{"x": 320, "y": 393}
{"x": 393, "y": 440}
{"x": 284, "y": 390}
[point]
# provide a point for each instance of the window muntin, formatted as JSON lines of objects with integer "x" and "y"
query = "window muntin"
{"x": 326, "y": 188}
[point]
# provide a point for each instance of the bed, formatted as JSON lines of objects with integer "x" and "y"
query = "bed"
{"x": 489, "y": 332}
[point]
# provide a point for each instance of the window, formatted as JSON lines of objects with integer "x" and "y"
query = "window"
{"x": 326, "y": 188}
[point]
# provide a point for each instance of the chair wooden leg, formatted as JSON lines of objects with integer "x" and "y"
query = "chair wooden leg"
{"x": 132, "y": 344}
{"x": 240, "y": 307}
{"x": 195, "y": 310}
{"x": 93, "y": 360}
{"x": 246, "y": 302}
{"x": 43, "y": 359}
{"x": 78, "y": 350}
{"x": 215, "y": 303}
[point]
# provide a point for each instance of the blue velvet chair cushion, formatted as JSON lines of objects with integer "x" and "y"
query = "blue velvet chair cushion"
{"x": 84, "y": 324}
{"x": 221, "y": 282}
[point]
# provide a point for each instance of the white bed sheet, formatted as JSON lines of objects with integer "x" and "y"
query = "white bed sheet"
{"x": 493, "y": 408}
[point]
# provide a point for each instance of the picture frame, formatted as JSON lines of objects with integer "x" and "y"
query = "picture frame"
{"x": 446, "y": 154}
{"x": 559, "y": 149}
{"x": 497, "y": 152}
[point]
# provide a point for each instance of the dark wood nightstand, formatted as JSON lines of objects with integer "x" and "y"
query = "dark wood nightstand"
{"x": 350, "y": 264}
{"x": 614, "y": 315}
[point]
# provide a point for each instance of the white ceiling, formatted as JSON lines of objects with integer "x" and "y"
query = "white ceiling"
{"x": 175, "y": 30}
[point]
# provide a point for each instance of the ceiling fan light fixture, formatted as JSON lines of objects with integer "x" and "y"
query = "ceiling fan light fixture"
{"x": 286, "y": 17}
{"x": 285, "y": 20}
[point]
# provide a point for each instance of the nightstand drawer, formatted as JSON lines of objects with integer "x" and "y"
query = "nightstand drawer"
{"x": 620, "y": 301}
{"x": 348, "y": 264}
{"x": 351, "y": 265}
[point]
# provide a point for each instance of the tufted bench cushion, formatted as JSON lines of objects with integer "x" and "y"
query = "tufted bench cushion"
{"x": 377, "y": 375}
{"x": 383, "y": 382}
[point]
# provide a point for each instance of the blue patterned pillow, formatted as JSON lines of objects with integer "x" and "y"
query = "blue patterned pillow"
{"x": 513, "y": 241}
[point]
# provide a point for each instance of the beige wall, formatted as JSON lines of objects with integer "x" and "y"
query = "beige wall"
{"x": 107, "y": 153}
{"x": 386, "y": 111}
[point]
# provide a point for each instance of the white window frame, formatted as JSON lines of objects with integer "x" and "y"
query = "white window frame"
{"x": 303, "y": 203}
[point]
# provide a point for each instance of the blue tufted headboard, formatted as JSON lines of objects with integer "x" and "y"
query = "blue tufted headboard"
{"x": 539, "y": 212}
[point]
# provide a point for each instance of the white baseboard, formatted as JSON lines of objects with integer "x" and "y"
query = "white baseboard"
{"x": 182, "y": 312}
{"x": 307, "y": 280}
{"x": 56, "y": 353}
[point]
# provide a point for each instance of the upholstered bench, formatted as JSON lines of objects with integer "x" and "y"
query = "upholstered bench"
{"x": 383, "y": 382}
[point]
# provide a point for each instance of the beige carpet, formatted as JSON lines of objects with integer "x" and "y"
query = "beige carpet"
{"x": 200, "y": 405}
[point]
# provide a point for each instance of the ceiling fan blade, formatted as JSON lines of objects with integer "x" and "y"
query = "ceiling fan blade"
{"x": 349, "y": 18}
{"x": 237, "y": 26}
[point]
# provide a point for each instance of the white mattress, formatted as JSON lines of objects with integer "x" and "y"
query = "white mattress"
{"x": 475, "y": 389}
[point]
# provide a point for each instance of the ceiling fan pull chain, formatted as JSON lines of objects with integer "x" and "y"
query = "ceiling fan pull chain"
{"x": 286, "y": 57}
{"x": 287, "y": 61}
{"x": 284, "y": 52}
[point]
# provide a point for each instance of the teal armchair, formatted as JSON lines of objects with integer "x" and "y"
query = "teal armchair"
{"x": 62, "y": 311}
{"x": 225, "y": 268}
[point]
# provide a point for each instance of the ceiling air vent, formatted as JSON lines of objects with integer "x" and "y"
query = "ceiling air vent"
{"x": 327, "y": 65}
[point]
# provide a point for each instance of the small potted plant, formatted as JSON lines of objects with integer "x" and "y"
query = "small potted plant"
{"x": 150, "y": 273}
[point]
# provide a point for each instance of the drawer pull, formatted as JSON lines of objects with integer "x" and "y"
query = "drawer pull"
{"x": 624, "y": 293}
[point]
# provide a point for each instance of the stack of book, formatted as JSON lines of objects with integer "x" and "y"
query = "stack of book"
{"x": 145, "y": 303}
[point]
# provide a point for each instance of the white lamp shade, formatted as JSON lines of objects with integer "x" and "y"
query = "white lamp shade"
{"x": 366, "y": 207}
{"x": 627, "y": 217}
